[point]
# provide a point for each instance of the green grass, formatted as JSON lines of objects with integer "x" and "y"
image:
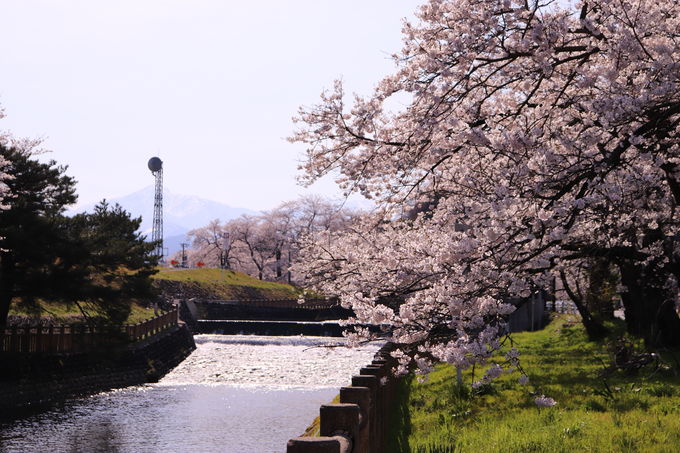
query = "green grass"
{"x": 221, "y": 284}
{"x": 174, "y": 283}
{"x": 619, "y": 413}
{"x": 66, "y": 313}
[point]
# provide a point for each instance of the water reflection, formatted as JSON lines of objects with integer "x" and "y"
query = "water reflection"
{"x": 101, "y": 437}
{"x": 229, "y": 396}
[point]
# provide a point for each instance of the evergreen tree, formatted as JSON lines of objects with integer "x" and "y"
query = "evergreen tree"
{"x": 30, "y": 228}
{"x": 110, "y": 260}
{"x": 96, "y": 257}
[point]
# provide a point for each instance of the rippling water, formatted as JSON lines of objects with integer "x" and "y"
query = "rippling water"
{"x": 233, "y": 394}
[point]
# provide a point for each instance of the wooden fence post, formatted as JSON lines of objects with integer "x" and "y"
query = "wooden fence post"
{"x": 77, "y": 338}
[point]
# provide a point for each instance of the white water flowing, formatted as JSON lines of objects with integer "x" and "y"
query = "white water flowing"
{"x": 240, "y": 394}
{"x": 270, "y": 362}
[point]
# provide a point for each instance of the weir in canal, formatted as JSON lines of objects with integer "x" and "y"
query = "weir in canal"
{"x": 235, "y": 393}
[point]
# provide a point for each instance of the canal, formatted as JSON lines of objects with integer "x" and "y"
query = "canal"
{"x": 234, "y": 393}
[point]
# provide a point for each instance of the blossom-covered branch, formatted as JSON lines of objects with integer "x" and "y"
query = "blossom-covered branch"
{"x": 536, "y": 136}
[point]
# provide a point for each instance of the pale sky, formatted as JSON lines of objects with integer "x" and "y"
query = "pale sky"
{"x": 209, "y": 86}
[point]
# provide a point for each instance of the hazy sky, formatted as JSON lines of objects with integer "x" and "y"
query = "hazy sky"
{"x": 209, "y": 86}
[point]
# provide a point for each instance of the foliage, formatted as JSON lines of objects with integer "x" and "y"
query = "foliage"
{"x": 513, "y": 141}
{"x": 265, "y": 245}
{"x": 6, "y": 141}
{"x": 110, "y": 261}
{"x": 617, "y": 413}
{"x": 96, "y": 257}
{"x": 31, "y": 233}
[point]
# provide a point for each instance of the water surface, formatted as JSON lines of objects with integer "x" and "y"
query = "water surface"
{"x": 233, "y": 394}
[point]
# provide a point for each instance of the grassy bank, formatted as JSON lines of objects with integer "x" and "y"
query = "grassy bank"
{"x": 61, "y": 313}
{"x": 618, "y": 412}
{"x": 173, "y": 283}
{"x": 219, "y": 284}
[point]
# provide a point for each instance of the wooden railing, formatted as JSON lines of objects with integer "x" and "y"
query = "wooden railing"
{"x": 78, "y": 338}
{"x": 152, "y": 326}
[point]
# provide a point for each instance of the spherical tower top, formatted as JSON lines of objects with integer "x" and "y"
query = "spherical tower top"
{"x": 155, "y": 164}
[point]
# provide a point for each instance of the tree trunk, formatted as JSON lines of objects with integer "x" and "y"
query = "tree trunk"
{"x": 4, "y": 309}
{"x": 278, "y": 265}
{"x": 650, "y": 314}
{"x": 6, "y": 286}
{"x": 289, "y": 279}
{"x": 601, "y": 284}
{"x": 594, "y": 327}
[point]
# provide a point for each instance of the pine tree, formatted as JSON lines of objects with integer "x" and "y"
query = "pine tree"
{"x": 95, "y": 257}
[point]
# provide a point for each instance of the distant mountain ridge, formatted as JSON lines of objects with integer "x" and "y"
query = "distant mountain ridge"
{"x": 181, "y": 213}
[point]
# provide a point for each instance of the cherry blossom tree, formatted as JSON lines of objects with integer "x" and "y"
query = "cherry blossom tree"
{"x": 533, "y": 135}
{"x": 257, "y": 241}
{"x": 265, "y": 245}
{"x": 4, "y": 189}
{"x": 278, "y": 227}
{"x": 293, "y": 221}
{"x": 214, "y": 245}
{"x": 5, "y": 141}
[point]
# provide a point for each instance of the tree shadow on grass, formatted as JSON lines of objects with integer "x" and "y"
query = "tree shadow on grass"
{"x": 400, "y": 419}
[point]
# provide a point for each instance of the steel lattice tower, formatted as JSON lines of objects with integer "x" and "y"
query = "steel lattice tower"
{"x": 156, "y": 167}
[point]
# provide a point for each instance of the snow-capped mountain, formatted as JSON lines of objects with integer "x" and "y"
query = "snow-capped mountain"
{"x": 181, "y": 213}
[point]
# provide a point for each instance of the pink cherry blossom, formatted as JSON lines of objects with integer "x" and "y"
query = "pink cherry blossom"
{"x": 536, "y": 136}
{"x": 543, "y": 401}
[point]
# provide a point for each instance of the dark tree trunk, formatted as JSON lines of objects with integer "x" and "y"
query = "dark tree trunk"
{"x": 594, "y": 327}
{"x": 278, "y": 265}
{"x": 4, "y": 309}
{"x": 650, "y": 314}
{"x": 601, "y": 283}
{"x": 6, "y": 286}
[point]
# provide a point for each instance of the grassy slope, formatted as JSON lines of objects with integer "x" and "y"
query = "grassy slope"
{"x": 208, "y": 283}
{"x": 62, "y": 313}
{"x": 220, "y": 284}
{"x": 617, "y": 414}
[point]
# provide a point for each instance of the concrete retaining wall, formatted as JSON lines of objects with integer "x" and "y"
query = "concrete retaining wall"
{"x": 275, "y": 328}
{"x": 31, "y": 381}
{"x": 289, "y": 310}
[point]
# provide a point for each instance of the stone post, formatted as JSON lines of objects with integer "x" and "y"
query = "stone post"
{"x": 343, "y": 419}
{"x": 370, "y": 382}
{"x": 379, "y": 431}
{"x": 336, "y": 444}
{"x": 361, "y": 396}
{"x": 340, "y": 426}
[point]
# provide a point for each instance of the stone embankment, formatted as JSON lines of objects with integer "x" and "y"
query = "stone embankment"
{"x": 31, "y": 381}
{"x": 359, "y": 423}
